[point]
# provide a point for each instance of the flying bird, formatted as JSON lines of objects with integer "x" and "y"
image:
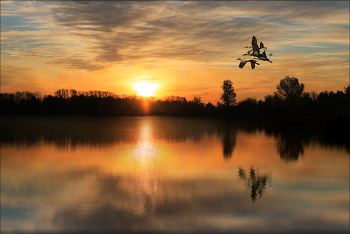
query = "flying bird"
{"x": 252, "y": 63}
{"x": 255, "y": 52}
{"x": 256, "y": 49}
{"x": 263, "y": 57}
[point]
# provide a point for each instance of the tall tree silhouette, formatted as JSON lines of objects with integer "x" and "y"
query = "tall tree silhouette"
{"x": 290, "y": 88}
{"x": 229, "y": 95}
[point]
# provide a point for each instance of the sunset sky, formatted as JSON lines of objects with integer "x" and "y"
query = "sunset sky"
{"x": 178, "y": 48}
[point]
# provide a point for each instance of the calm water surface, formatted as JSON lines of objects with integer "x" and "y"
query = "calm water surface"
{"x": 171, "y": 174}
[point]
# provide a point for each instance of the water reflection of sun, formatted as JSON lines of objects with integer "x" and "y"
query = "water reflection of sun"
{"x": 145, "y": 177}
{"x": 145, "y": 147}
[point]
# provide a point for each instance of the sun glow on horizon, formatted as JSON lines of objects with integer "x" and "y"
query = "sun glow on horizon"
{"x": 145, "y": 89}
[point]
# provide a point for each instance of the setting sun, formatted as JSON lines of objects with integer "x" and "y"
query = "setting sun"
{"x": 145, "y": 88}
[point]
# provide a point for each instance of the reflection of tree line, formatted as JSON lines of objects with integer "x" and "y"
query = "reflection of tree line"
{"x": 289, "y": 148}
{"x": 229, "y": 142}
{"x": 255, "y": 182}
{"x": 291, "y": 138}
{"x": 103, "y": 131}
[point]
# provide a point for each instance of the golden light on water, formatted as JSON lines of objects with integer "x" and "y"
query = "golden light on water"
{"x": 145, "y": 192}
{"x": 145, "y": 89}
{"x": 145, "y": 146}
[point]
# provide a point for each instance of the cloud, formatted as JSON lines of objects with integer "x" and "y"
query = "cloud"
{"x": 198, "y": 31}
{"x": 76, "y": 63}
{"x": 21, "y": 74}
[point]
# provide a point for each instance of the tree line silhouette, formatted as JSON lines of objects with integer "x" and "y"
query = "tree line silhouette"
{"x": 289, "y": 100}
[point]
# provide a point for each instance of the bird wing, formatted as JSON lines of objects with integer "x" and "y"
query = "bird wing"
{"x": 255, "y": 46}
{"x": 242, "y": 63}
{"x": 252, "y": 63}
{"x": 254, "y": 41}
{"x": 262, "y": 45}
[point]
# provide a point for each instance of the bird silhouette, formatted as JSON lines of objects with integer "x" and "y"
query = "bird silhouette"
{"x": 256, "y": 49}
{"x": 252, "y": 63}
{"x": 255, "y": 52}
{"x": 263, "y": 57}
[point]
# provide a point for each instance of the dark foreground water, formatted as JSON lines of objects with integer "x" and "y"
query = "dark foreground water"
{"x": 172, "y": 174}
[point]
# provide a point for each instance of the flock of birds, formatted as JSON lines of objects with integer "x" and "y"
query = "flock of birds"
{"x": 255, "y": 52}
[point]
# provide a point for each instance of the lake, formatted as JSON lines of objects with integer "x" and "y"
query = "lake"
{"x": 172, "y": 174}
